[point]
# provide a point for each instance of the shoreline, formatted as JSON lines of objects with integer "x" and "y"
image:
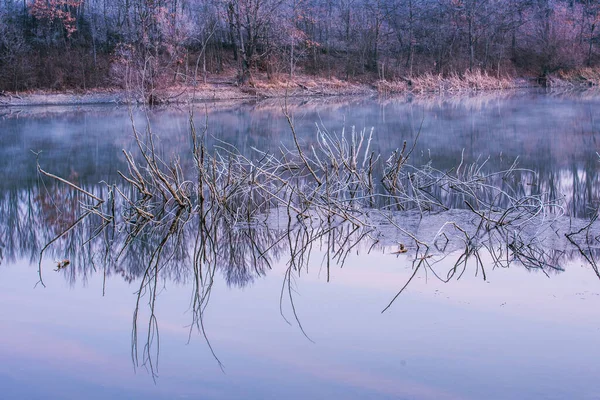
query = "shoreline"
{"x": 299, "y": 87}
{"x": 100, "y": 97}
{"x": 217, "y": 90}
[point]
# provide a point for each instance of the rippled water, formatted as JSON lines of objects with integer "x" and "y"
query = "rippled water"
{"x": 315, "y": 331}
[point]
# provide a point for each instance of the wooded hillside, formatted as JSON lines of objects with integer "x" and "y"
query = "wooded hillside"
{"x": 58, "y": 44}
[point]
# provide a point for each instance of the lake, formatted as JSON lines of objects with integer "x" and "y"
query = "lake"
{"x": 472, "y": 275}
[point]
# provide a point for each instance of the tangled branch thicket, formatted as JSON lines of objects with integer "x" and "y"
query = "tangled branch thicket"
{"x": 237, "y": 213}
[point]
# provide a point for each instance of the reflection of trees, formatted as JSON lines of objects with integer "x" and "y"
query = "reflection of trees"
{"x": 518, "y": 124}
{"x": 224, "y": 213}
{"x": 243, "y": 252}
{"x": 196, "y": 249}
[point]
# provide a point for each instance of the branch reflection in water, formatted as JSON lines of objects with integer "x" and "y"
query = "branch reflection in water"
{"x": 222, "y": 211}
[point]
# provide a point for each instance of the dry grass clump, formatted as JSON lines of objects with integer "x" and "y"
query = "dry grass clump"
{"x": 478, "y": 80}
{"x": 282, "y": 85}
{"x": 427, "y": 83}
{"x": 467, "y": 81}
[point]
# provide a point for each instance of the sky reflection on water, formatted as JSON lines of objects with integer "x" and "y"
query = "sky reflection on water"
{"x": 519, "y": 335}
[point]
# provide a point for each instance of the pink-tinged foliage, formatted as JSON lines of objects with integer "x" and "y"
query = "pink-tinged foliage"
{"x": 57, "y": 12}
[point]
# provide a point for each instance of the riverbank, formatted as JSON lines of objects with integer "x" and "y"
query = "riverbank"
{"x": 225, "y": 88}
{"x": 176, "y": 95}
{"x": 216, "y": 89}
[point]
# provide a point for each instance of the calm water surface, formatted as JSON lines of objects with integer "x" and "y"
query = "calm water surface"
{"x": 518, "y": 334}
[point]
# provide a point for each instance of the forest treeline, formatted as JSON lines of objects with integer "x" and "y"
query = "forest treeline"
{"x": 59, "y": 44}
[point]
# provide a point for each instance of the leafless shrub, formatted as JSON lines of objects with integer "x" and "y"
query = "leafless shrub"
{"x": 335, "y": 194}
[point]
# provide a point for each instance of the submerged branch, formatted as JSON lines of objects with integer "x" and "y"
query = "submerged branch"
{"x": 227, "y": 214}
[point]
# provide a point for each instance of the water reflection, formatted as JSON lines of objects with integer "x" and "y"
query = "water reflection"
{"x": 243, "y": 252}
{"x": 552, "y": 137}
{"x": 185, "y": 247}
{"x": 556, "y": 136}
{"x": 188, "y": 246}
